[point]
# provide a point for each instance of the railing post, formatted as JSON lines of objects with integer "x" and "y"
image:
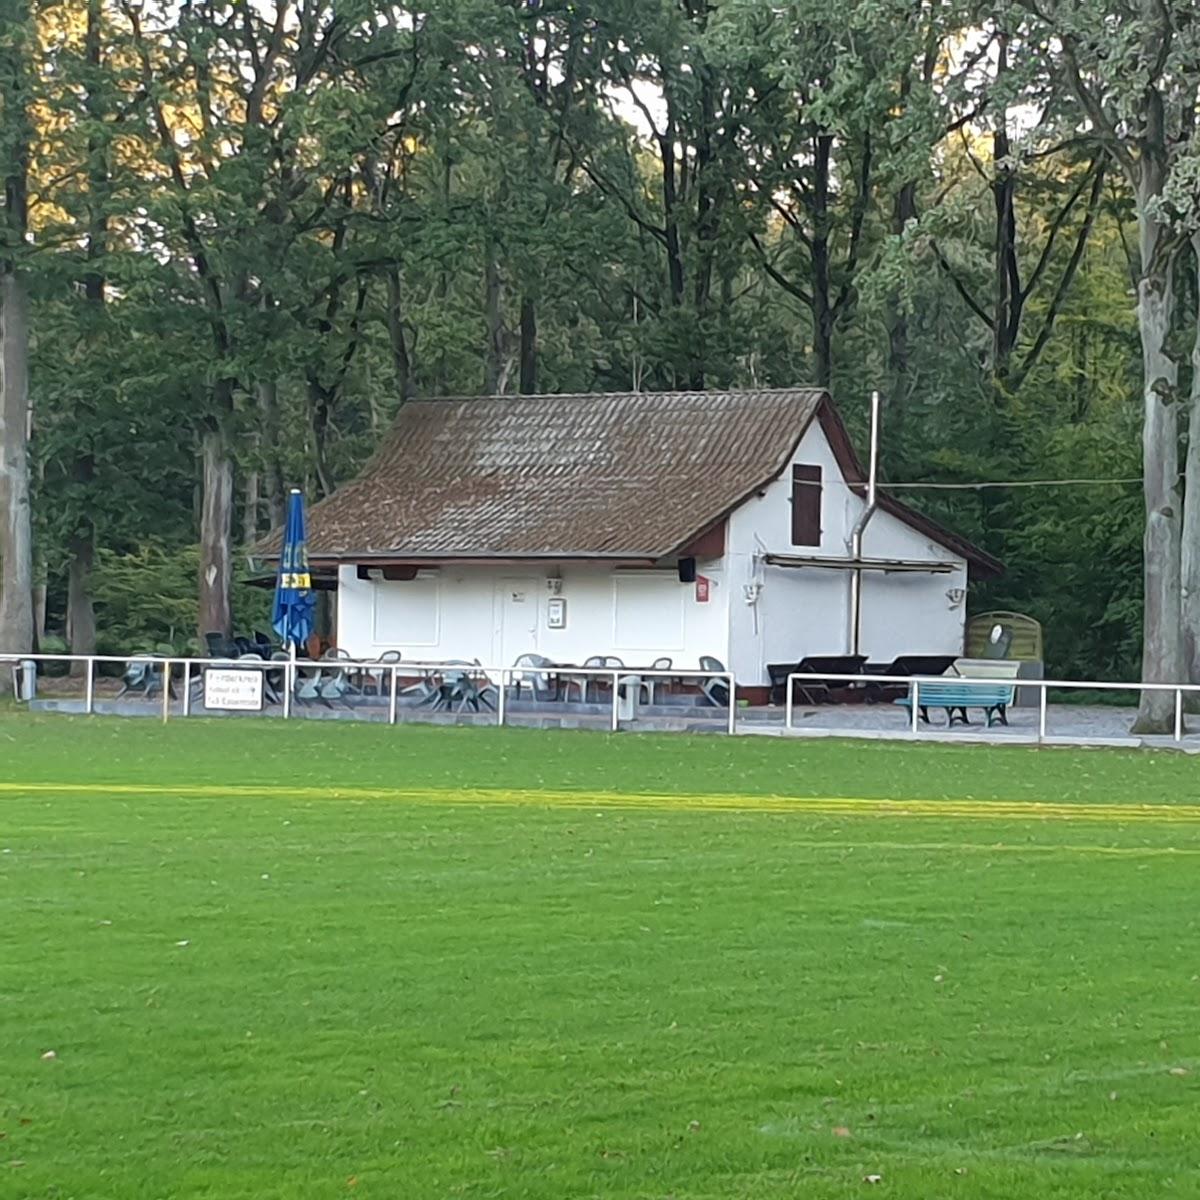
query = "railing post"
{"x": 166, "y": 689}
{"x": 502, "y": 697}
{"x": 916, "y": 704}
{"x": 788, "y": 705}
{"x": 732, "y": 705}
{"x": 392, "y": 697}
{"x": 187, "y": 687}
{"x": 1041, "y": 712}
{"x": 289, "y": 682}
{"x": 616, "y": 724}
{"x": 90, "y": 687}
{"x": 1179, "y": 714}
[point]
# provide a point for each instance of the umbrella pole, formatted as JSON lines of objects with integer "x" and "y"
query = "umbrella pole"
{"x": 289, "y": 681}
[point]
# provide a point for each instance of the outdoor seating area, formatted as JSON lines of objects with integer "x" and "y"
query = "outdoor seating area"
{"x": 535, "y": 682}
{"x": 455, "y": 686}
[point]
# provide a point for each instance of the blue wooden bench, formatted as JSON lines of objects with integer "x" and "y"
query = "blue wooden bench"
{"x": 957, "y": 695}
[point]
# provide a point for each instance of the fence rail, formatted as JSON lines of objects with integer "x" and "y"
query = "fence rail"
{"x": 190, "y": 672}
{"x": 1042, "y": 686}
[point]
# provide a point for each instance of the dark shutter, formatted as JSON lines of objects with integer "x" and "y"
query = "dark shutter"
{"x": 806, "y": 506}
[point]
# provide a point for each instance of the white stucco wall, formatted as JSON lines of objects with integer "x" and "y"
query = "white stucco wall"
{"x": 805, "y": 611}
{"x": 470, "y": 612}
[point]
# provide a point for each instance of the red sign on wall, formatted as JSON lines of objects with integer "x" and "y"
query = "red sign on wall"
{"x": 702, "y": 586}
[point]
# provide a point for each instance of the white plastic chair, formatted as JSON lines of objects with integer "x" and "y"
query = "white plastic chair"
{"x": 716, "y": 691}
{"x": 537, "y": 681}
{"x": 650, "y": 685}
{"x": 373, "y": 679}
{"x": 584, "y": 682}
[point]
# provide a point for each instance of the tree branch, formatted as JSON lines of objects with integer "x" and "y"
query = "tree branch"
{"x": 191, "y": 231}
{"x": 961, "y": 288}
{"x": 654, "y": 231}
{"x": 858, "y": 214}
{"x": 1056, "y": 225}
{"x": 793, "y": 289}
{"x": 1095, "y": 111}
{"x": 1068, "y": 276}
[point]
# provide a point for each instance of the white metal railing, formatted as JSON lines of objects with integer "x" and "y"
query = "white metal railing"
{"x": 1043, "y": 686}
{"x": 190, "y": 671}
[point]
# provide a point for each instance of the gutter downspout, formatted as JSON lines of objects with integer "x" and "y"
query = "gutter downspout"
{"x": 856, "y": 534}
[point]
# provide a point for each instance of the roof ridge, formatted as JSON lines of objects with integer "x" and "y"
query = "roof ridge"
{"x": 675, "y": 394}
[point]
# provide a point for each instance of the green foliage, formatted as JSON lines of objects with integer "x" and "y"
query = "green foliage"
{"x": 146, "y": 599}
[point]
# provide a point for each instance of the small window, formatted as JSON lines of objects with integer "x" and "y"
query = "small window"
{"x": 806, "y": 506}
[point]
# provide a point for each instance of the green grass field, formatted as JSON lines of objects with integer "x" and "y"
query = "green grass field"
{"x": 325, "y": 960}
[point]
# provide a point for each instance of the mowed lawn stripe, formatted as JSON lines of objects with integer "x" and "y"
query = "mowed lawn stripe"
{"x": 988, "y": 810}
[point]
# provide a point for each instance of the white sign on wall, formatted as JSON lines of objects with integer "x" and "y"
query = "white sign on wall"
{"x": 233, "y": 689}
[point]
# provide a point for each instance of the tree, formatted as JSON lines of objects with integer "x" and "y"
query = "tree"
{"x": 688, "y": 214}
{"x": 16, "y": 538}
{"x": 822, "y": 88}
{"x": 1131, "y": 68}
{"x": 1044, "y": 198}
{"x": 228, "y": 92}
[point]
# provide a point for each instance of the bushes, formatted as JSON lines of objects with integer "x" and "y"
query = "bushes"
{"x": 146, "y": 600}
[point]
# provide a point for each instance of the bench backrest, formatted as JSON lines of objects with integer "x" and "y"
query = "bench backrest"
{"x": 950, "y": 692}
{"x": 986, "y": 668}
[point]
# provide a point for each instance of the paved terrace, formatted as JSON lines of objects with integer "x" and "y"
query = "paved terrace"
{"x": 1066, "y": 724}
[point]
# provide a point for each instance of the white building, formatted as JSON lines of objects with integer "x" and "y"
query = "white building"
{"x": 646, "y": 525}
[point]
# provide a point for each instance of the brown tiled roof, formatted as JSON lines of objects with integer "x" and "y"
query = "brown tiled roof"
{"x": 629, "y": 476}
{"x": 626, "y": 476}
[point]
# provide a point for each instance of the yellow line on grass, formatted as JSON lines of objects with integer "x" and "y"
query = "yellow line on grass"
{"x": 836, "y": 806}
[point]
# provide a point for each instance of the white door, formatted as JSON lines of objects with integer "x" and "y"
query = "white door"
{"x": 516, "y": 619}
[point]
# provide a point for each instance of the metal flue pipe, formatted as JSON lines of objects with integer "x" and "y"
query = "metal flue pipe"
{"x": 856, "y": 534}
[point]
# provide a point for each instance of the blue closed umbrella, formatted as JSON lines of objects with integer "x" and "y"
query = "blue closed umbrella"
{"x": 294, "y": 609}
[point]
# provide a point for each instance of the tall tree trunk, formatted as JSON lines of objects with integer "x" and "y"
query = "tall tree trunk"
{"x": 320, "y": 408}
{"x": 216, "y": 525}
{"x": 904, "y": 209}
{"x": 401, "y": 359}
{"x": 1190, "y": 557}
{"x": 1006, "y": 304}
{"x": 672, "y": 237}
{"x": 493, "y": 367}
{"x": 271, "y": 482}
{"x": 529, "y": 347}
{"x": 81, "y": 612}
{"x": 81, "y": 555}
{"x": 16, "y": 532}
{"x": 821, "y": 282}
{"x": 250, "y": 507}
{"x": 1162, "y": 642}
{"x": 441, "y": 378}
{"x": 16, "y": 517}
{"x": 899, "y": 383}
{"x": 81, "y": 545}
{"x": 41, "y": 599}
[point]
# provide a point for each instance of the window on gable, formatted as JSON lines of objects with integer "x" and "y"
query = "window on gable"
{"x": 806, "y": 505}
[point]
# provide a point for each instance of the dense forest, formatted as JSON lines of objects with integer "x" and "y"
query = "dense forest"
{"x": 235, "y": 237}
